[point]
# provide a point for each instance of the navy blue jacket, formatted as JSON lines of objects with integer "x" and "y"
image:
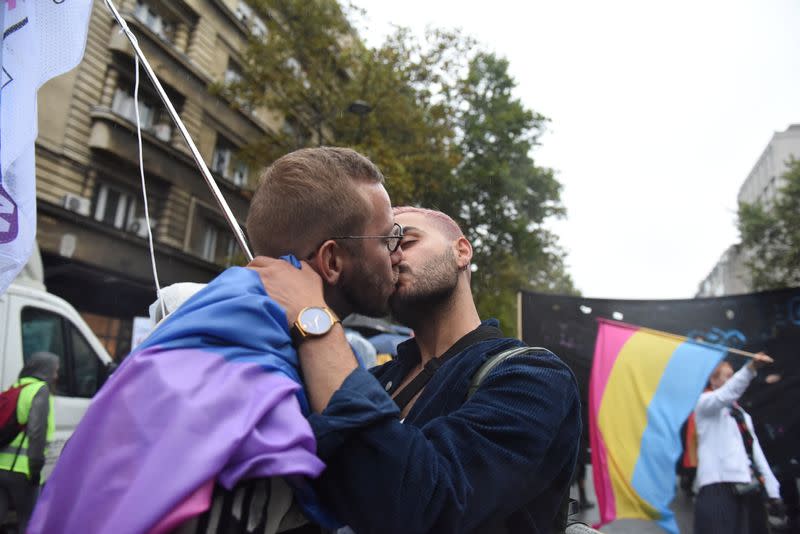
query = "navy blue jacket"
{"x": 500, "y": 461}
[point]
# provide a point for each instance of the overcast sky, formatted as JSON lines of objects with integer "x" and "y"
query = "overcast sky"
{"x": 659, "y": 111}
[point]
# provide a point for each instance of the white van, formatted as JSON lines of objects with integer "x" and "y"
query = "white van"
{"x": 31, "y": 320}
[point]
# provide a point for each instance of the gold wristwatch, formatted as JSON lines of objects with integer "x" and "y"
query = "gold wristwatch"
{"x": 313, "y": 321}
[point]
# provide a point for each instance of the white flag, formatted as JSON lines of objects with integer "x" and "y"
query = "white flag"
{"x": 41, "y": 39}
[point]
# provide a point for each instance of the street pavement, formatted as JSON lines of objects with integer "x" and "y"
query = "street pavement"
{"x": 681, "y": 506}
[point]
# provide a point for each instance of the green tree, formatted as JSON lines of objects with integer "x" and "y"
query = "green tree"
{"x": 771, "y": 237}
{"x": 301, "y": 70}
{"x": 310, "y": 68}
{"x": 505, "y": 197}
{"x": 444, "y": 127}
{"x": 410, "y": 131}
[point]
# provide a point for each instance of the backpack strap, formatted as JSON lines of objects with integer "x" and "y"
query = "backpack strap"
{"x": 492, "y": 362}
{"x": 19, "y": 449}
{"x": 565, "y": 508}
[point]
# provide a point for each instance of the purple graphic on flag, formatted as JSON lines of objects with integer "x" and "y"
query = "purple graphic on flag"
{"x": 9, "y": 217}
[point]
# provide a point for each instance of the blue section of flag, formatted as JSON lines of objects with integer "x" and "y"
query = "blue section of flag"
{"x": 227, "y": 320}
{"x": 683, "y": 381}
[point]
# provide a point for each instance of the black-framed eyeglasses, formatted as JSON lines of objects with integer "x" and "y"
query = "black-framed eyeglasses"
{"x": 392, "y": 241}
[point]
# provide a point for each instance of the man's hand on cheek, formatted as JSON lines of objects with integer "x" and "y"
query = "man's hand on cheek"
{"x": 292, "y": 288}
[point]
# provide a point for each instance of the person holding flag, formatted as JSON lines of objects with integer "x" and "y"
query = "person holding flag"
{"x": 733, "y": 475}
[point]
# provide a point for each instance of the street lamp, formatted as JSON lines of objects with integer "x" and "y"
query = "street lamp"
{"x": 362, "y": 109}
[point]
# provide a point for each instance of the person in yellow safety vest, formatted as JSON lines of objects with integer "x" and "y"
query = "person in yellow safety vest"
{"x": 22, "y": 460}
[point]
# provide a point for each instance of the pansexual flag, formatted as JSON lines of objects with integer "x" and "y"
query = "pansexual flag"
{"x": 644, "y": 385}
{"x": 212, "y": 396}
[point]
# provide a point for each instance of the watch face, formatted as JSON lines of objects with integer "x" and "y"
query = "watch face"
{"x": 315, "y": 321}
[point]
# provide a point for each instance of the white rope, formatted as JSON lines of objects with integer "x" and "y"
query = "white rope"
{"x": 233, "y": 223}
{"x": 144, "y": 187}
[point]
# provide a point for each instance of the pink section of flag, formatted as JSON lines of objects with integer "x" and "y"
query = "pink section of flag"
{"x": 197, "y": 503}
{"x": 610, "y": 340}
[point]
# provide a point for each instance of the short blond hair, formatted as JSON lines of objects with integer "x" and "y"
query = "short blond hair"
{"x": 307, "y": 196}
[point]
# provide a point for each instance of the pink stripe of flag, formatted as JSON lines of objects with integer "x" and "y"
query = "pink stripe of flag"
{"x": 610, "y": 340}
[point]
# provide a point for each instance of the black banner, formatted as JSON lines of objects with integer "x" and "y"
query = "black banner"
{"x": 767, "y": 321}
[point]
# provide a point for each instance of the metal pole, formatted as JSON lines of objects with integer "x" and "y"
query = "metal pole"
{"x": 677, "y": 337}
{"x": 226, "y": 210}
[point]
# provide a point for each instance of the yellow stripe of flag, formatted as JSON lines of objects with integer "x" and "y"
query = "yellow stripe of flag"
{"x": 622, "y": 417}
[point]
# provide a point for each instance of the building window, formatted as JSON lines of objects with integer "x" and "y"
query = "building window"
{"x": 212, "y": 240}
{"x": 258, "y": 28}
{"x": 221, "y": 160}
{"x": 114, "y": 207}
{"x": 297, "y": 70}
{"x": 226, "y": 165}
{"x": 152, "y": 117}
{"x": 248, "y": 17}
{"x": 154, "y": 20}
{"x": 240, "y": 172}
{"x": 296, "y": 131}
{"x": 122, "y": 209}
{"x": 244, "y": 12}
{"x": 233, "y": 73}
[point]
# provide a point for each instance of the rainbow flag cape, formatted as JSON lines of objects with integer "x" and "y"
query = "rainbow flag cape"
{"x": 644, "y": 384}
{"x": 212, "y": 396}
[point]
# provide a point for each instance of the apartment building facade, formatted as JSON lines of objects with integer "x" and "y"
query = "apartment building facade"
{"x": 91, "y": 227}
{"x": 766, "y": 177}
{"x": 762, "y": 185}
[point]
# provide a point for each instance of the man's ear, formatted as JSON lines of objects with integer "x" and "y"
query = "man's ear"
{"x": 329, "y": 263}
{"x": 463, "y": 251}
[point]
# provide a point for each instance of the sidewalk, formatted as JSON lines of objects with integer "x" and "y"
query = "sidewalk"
{"x": 682, "y": 506}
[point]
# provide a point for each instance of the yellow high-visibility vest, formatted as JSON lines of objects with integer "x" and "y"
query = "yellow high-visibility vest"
{"x": 20, "y": 443}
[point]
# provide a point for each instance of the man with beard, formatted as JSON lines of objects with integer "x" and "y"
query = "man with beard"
{"x": 213, "y": 395}
{"x": 498, "y": 458}
{"x": 328, "y": 206}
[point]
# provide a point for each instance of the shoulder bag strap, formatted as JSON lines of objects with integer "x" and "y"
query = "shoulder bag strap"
{"x": 492, "y": 362}
{"x": 482, "y": 333}
{"x": 564, "y": 508}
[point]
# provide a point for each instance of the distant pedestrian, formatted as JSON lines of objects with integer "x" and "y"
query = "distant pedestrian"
{"x": 732, "y": 472}
{"x": 21, "y": 461}
{"x": 687, "y": 466}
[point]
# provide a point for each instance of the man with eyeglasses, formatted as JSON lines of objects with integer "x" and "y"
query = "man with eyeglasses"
{"x": 328, "y": 206}
{"x": 213, "y": 398}
{"x": 421, "y": 445}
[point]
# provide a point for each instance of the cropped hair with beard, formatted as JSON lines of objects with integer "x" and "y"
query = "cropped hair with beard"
{"x": 444, "y": 223}
{"x": 307, "y": 196}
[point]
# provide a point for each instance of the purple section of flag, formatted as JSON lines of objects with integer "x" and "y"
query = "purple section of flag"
{"x": 155, "y": 433}
{"x": 9, "y": 217}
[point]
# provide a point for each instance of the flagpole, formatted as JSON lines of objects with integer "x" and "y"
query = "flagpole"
{"x": 679, "y": 337}
{"x": 226, "y": 210}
